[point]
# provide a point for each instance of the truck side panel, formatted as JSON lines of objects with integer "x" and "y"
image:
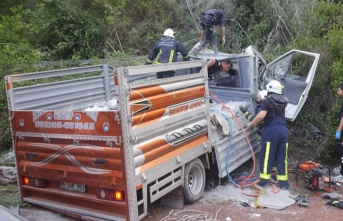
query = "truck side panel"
{"x": 169, "y": 127}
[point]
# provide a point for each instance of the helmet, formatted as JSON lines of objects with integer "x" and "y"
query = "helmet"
{"x": 274, "y": 87}
{"x": 168, "y": 33}
{"x": 263, "y": 94}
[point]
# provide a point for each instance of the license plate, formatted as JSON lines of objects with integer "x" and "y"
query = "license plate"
{"x": 72, "y": 187}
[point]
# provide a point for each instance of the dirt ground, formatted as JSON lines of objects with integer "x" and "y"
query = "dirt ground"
{"x": 219, "y": 207}
{"x": 225, "y": 202}
{"x": 220, "y": 202}
{"x": 224, "y": 209}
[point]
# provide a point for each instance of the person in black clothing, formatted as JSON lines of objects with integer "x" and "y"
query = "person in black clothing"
{"x": 208, "y": 19}
{"x": 339, "y": 170}
{"x": 214, "y": 65}
{"x": 215, "y": 69}
{"x": 275, "y": 136}
{"x": 166, "y": 50}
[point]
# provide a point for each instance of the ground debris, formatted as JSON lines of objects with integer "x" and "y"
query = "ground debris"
{"x": 8, "y": 175}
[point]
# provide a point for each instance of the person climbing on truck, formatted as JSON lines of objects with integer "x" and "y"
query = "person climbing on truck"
{"x": 165, "y": 50}
{"x": 208, "y": 19}
{"x": 275, "y": 136}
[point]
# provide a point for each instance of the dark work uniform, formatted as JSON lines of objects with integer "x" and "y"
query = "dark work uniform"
{"x": 275, "y": 138}
{"x": 165, "y": 50}
{"x": 207, "y": 20}
{"x": 339, "y": 142}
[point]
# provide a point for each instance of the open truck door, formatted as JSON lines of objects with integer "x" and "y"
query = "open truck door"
{"x": 295, "y": 70}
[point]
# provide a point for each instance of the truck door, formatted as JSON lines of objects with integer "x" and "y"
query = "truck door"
{"x": 295, "y": 70}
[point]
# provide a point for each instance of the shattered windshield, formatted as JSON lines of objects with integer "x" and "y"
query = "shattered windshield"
{"x": 295, "y": 66}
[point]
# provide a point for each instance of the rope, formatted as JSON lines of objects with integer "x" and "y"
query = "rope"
{"x": 195, "y": 215}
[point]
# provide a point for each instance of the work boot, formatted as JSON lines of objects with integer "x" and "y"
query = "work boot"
{"x": 284, "y": 185}
{"x": 262, "y": 183}
{"x": 195, "y": 50}
{"x": 273, "y": 176}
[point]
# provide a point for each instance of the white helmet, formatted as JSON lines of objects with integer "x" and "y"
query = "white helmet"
{"x": 263, "y": 94}
{"x": 274, "y": 87}
{"x": 168, "y": 33}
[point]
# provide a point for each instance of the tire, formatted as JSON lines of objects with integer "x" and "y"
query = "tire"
{"x": 194, "y": 181}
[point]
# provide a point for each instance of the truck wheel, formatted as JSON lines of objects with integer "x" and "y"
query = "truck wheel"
{"x": 194, "y": 181}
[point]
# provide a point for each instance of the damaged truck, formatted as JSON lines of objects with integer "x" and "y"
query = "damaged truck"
{"x": 102, "y": 143}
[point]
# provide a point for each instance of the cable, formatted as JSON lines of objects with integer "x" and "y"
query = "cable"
{"x": 245, "y": 182}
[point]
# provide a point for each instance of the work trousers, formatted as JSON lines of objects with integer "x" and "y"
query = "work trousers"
{"x": 274, "y": 151}
{"x": 207, "y": 22}
{"x": 340, "y": 153}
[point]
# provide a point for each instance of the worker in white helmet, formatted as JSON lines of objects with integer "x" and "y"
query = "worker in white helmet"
{"x": 165, "y": 50}
{"x": 275, "y": 136}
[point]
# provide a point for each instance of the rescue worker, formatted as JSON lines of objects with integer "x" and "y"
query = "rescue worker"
{"x": 339, "y": 170}
{"x": 208, "y": 19}
{"x": 165, "y": 50}
{"x": 275, "y": 137}
{"x": 250, "y": 116}
{"x": 214, "y": 66}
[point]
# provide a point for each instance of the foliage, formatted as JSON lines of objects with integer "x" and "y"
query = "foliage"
{"x": 16, "y": 55}
{"x": 64, "y": 30}
{"x": 121, "y": 32}
{"x": 9, "y": 195}
{"x": 325, "y": 22}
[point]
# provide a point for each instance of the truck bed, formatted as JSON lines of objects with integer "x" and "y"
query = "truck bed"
{"x": 72, "y": 146}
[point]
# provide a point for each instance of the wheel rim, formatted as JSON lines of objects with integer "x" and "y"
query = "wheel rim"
{"x": 195, "y": 180}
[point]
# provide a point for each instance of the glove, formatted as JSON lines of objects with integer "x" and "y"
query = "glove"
{"x": 300, "y": 200}
{"x": 338, "y": 135}
{"x": 223, "y": 41}
{"x": 243, "y": 109}
{"x": 335, "y": 203}
{"x": 186, "y": 58}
